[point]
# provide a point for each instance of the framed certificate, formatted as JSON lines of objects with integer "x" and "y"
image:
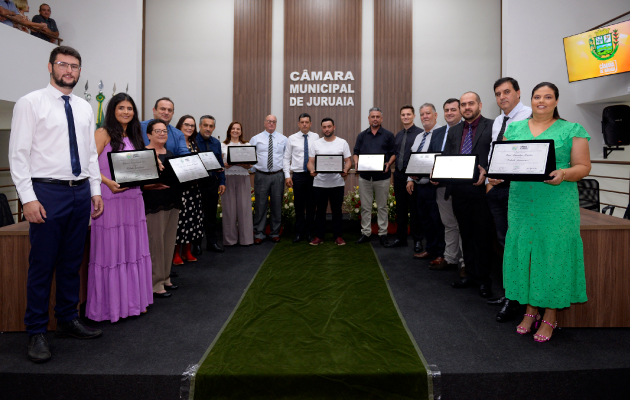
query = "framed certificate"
{"x": 209, "y": 160}
{"x": 371, "y": 163}
{"x": 187, "y": 168}
{"x": 456, "y": 168}
{"x": 522, "y": 160}
{"x": 133, "y": 167}
{"x": 242, "y": 155}
{"x": 420, "y": 164}
{"x": 329, "y": 163}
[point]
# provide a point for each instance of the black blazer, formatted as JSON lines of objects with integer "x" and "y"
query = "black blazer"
{"x": 481, "y": 142}
{"x": 437, "y": 138}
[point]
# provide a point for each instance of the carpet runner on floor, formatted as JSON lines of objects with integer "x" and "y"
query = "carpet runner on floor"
{"x": 316, "y": 322}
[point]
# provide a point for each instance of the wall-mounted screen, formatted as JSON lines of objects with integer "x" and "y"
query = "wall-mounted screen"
{"x": 600, "y": 52}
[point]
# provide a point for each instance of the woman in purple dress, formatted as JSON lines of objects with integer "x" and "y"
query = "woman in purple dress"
{"x": 119, "y": 274}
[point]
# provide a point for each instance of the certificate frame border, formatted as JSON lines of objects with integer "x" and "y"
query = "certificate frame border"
{"x": 329, "y": 155}
{"x": 421, "y": 175}
{"x": 551, "y": 163}
{"x": 457, "y": 180}
{"x": 249, "y": 162}
{"x": 367, "y": 154}
{"x": 170, "y": 177}
{"x": 215, "y": 156}
{"x": 133, "y": 183}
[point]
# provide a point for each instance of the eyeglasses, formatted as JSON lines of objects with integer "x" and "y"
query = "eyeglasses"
{"x": 160, "y": 131}
{"x": 271, "y": 122}
{"x": 65, "y": 65}
{"x": 188, "y": 125}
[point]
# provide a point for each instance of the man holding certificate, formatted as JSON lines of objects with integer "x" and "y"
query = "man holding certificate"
{"x": 325, "y": 155}
{"x": 375, "y": 140}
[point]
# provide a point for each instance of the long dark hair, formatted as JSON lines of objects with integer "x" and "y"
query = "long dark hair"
{"x": 228, "y": 137}
{"x": 193, "y": 138}
{"x": 114, "y": 128}
{"x": 553, "y": 87}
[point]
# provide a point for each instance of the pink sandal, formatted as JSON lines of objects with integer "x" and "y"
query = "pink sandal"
{"x": 522, "y": 330}
{"x": 542, "y": 338}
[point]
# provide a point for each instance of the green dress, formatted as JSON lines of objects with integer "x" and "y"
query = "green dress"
{"x": 544, "y": 228}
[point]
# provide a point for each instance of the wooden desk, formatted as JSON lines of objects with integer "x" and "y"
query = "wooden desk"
{"x": 607, "y": 266}
{"x": 14, "y": 249}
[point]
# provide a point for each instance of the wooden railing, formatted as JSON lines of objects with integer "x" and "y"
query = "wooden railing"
{"x": 627, "y": 192}
{"x": 20, "y": 21}
{"x": 19, "y": 203}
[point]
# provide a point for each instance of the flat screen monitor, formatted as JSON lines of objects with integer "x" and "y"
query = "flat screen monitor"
{"x": 600, "y": 52}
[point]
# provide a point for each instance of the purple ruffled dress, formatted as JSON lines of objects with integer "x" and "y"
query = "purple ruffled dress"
{"x": 119, "y": 275}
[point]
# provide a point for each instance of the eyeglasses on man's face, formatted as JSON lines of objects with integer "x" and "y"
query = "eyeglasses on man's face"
{"x": 64, "y": 66}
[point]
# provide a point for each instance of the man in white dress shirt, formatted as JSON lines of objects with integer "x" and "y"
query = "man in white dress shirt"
{"x": 269, "y": 180}
{"x": 508, "y": 95}
{"x": 428, "y": 211}
{"x": 54, "y": 165}
{"x": 295, "y": 161}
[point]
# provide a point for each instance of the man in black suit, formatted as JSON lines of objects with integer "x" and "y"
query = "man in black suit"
{"x": 405, "y": 202}
{"x": 469, "y": 200}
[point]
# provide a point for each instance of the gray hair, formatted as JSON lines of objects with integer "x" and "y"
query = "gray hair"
{"x": 375, "y": 109}
{"x": 427, "y": 105}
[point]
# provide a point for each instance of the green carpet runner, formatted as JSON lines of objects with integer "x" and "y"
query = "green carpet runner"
{"x": 315, "y": 323}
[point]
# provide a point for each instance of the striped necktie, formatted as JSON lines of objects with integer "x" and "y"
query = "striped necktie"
{"x": 305, "y": 152}
{"x": 467, "y": 147}
{"x": 270, "y": 154}
{"x": 424, "y": 139}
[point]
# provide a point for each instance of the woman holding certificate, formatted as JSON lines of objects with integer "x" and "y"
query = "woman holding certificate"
{"x": 543, "y": 263}
{"x": 236, "y": 203}
{"x": 119, "y": 278}
{"x": 191, "y": 213}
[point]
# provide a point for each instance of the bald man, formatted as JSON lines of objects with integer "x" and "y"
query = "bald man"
{"x": 269, "y": 179}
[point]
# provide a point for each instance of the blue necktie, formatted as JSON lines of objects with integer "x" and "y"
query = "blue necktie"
{"x": 72, "y": 135}
{"x": 424, "y": 139}
{"x": 305, "y": 152}
{"x": 467, "y": 147}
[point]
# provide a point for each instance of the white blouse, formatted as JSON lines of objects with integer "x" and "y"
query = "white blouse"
{"x": 235, "y": 169}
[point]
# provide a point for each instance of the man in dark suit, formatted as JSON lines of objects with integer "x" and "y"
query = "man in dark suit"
{"x": 405, "y": 202}
{"x": 469, "y": 200}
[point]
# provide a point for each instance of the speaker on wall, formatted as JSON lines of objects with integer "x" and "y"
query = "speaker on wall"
{"x": 616, "y": 125}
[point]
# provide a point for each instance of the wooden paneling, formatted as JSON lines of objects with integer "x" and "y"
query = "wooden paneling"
{"x": 393, "y": 26}
{"x": 251, "y": 101}
{"x": 323, "y": 35}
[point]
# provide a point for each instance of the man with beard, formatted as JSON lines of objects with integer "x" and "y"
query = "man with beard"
{"x": 211, "y": 191}
{"x": 164, "y": 109}
{"x": 54, "y": 165}
{"x": 328, "y": 187}
{"x": 469, "y": 200}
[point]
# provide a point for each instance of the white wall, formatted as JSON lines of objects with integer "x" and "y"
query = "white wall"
{"x": 533, "y": 52}
{"x": 189, "y": 57}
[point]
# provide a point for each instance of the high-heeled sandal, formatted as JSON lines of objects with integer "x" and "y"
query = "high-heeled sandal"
{"x": 542, "y": 338}
{"x": 522, "y": 330}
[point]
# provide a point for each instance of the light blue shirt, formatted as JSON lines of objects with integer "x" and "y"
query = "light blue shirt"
{"x": 11, "y": 7}
{"x": 176, "y": 142}
{"x": 261, "y": 141}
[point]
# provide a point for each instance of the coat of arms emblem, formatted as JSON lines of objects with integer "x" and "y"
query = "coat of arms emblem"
{"x": 604, "y": 44}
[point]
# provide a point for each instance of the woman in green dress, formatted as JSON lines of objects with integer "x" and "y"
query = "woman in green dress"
{"x": 543, "y": 263}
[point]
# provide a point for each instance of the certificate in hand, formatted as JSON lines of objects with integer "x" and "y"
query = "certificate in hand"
{"x": 457, "y": 168}
{"x": 242, "y": 155}
{"x": 186, "y": 168}
{"x": 133, "y": 167}
{"x": 420, "y": 164}
{"x": 522, "y": 160}
{"x": 328, "y": 163}
{"x": 210, "y": 161}
{"x": 371, "y": 163}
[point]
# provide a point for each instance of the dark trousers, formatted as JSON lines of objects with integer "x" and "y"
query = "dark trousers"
{"x": 56, "y": 247}
{"x": 497, "y": 199}
{"x": 406, "y": 210}
{"x": 430, "y": 221}
{"x": 209, "y": 201}
{"x": 304, "y": 201}
{"x": 323, "y": 196}
{"x": 475, "y": 227}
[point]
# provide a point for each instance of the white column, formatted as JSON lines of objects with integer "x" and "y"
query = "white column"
{"x": 367, "y": 60}
{"x": 277, "y": 62}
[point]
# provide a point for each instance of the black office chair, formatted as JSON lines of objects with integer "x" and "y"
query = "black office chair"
{"x": 6, "y": 218}
{"x": 588, "y": 190}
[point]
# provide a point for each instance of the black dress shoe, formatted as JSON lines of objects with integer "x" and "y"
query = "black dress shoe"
{"x": 38, "y": 350}
{"x": 508, "y": 311}
{"x": 383, "y": 240}
{"x": 297, "y": 239}
{"x": 196, "y": 250}
{"x": 363, "y": 239}
{"x": 215, "y": 248}
{"x": 77, "y": 330}
{"x": 485, "y": 291}
{"x": 173, "y": 274}
{"x": 463, "y": 283}
{"x": 397, "y": 243}
{"x": 171, "y": 287}
{"x": 162, "y": 295}
{"x": 417, "y": 247}
{"x": 497, "y": 301}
